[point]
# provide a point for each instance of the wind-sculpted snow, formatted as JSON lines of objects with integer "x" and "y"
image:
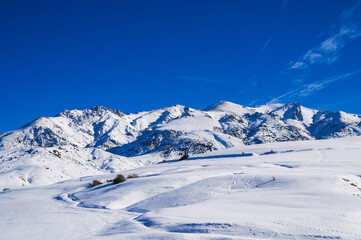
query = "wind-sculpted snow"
{"x": 300, "y": 190}
{"x": 168, "y": 132}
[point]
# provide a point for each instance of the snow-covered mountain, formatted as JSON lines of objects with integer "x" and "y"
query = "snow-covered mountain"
{"x": 99, "y": 139}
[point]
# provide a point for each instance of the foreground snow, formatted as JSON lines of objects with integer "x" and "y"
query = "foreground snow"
{"x": 304, "y": 190}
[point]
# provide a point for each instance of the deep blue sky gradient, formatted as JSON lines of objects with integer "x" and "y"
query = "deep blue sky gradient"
{"x": 144, "y": 55}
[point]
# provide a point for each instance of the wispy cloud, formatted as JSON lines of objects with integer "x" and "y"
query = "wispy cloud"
{"x": 266, "y": 43}
{"x": 349, "y": 28}
{"x": 197, "y": 79}
{"x": 269, "y": 40}
{"x": 284, "y": 4}
{"x": 311, "y": 88}
{"x": 297, "y": 81}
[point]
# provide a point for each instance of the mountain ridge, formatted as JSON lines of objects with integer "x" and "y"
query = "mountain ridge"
{"x": 101, "y": 139}
{"x": 102, "y": 123}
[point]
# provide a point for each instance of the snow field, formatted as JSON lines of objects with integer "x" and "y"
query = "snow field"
{"x": 304, "y": 190}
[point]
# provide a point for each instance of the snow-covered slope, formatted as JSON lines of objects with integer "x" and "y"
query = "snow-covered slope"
{"x": 302, "y": 190}
{"x": 82, "y": 142}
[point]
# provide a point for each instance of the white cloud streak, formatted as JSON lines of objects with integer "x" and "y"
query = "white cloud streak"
{"x": 327, "y": 52}
{"x": 311, "y": 88}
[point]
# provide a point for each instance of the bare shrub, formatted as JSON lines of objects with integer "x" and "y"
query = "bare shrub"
{"x": 119, "y": 179}
{"x": 184, "y": 157}
{"x": 95, "y": 183}
{"x": 6, "y": 189}
{"x": 133, "y": 175}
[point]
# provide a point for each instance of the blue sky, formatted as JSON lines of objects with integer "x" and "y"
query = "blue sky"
{"x": 144, "y": 55}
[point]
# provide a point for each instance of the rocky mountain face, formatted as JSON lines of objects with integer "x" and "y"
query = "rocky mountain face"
{"x": 181, "y": 129}
{"x": 101, "y": 139}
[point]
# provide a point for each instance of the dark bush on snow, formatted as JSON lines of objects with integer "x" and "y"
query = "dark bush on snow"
{"x": 184, "y": 157}
{"x": 119, "y": 179}
{"x": 95, "y": 183}
{"x": 6, "y": 189}
{"x": 133, "y": 175}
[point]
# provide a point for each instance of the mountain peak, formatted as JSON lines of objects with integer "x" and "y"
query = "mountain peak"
{"x": 293, "y": 104}
{"x": 97, "y": 110}
{"x": 101, "y": 109}
{"x": 226, "y": 106}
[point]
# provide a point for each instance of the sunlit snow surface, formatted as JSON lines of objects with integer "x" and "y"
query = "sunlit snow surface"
{"x": 303, "y": 190}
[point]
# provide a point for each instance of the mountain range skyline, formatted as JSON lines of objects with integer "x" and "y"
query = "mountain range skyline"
{"x": 101, "y": 140}
{"x": 145, "y": 55}
{"x": 120, "y": 111}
